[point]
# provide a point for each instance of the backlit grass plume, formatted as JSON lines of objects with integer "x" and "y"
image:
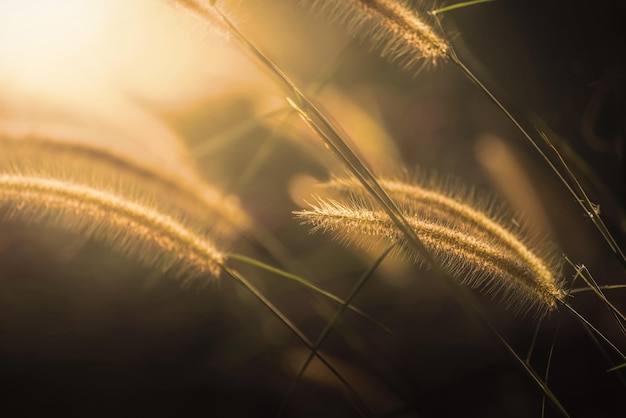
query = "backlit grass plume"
{"x": 469, "y": 242}
{"x": 128, "y": 227}
{"x": 408, "y": 38}
{"x": 163, "y": 220}
{"x": 72, "y": 155}
{"x": 393, "y": 27}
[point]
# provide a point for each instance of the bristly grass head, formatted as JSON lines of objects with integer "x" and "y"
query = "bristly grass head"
{"x": 393, "y": 27}
{"x": 128, "y": 227}
{"x": 164, "y": 221}
{"x": 470, "y": 243}
{"x": 72, "y": 156}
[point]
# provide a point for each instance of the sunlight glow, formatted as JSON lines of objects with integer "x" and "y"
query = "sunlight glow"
{"x": 39, "y": 36}
{"x": 142, "y": 49}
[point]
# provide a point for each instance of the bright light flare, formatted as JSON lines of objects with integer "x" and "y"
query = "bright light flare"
{"x": 39, "y": 37}
{"x": 144, "y": 49}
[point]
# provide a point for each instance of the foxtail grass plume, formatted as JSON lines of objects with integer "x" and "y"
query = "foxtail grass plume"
{"x": 392, "y": 27}
{"x": 128, "y": 227}
{"x": 469, "y": 243}
{"x": 68, "y": 153}
{"x": 176, "y": 224}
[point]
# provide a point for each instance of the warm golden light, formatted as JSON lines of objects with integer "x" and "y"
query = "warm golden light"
{"x": 38, "y": 37}
{"x": 144, "y": 49}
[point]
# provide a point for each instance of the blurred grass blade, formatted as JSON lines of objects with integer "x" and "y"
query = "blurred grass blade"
{"x": 323, "y": 127}
{"x": 357, "y": 287}
{"x": 603, "y": 287}
{"x": 307, "y": 283}
{"x": 563, "y": 171}
{"x": 354, "y": 396}
{"x": 594, "y": 329}
{"x": 616, "y": 368}
{"x": 583, "y": 272}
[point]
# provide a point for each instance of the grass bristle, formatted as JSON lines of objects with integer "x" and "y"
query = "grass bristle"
{"x": 392, "y": 27}
{"x": 70, "y": 157}
{"x": 132, "y": 229}
{"x": 470, "y": 243}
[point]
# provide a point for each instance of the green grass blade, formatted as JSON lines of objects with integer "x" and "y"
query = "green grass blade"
{"x": 307, "y": 283}
{"x": 320, "y": 124}
{"x": 459, "y": 6}
{"x": 584, "y": 273}
{"x": 354, "y": 396}
{"x": 616, "y": 368}
{"x": 594, "y": 329}
{"x": 564, "y": 173}
{"x": 331, "y": 324}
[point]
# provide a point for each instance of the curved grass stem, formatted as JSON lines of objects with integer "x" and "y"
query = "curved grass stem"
{"x": 458, "y": 6}
{"x": 333, "y": 321}
{"x": 603, "y": 287}
{"x": 330, "y": 136}
{"x": 322, "y": 126}
{"x": 359, "y": 404}
{"x": 583, "y": 273}
{"x": 307, "y": 283}
{"x": 595, "y": 330}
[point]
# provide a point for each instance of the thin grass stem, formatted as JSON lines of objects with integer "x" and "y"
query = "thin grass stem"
{"x": 603, "y": 287}
{"x": 307, "y": 283}
{"x": 323, "y": 127}
{"x": 459, "y": 6}
{"x": 585, "y": 322}
{"x": 333, "y": 321}
{"x": 583, "y": 273}
{"x": 354, "y": 396}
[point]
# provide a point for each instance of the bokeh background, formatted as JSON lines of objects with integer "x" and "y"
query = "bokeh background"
{"x": 88, "y": 332}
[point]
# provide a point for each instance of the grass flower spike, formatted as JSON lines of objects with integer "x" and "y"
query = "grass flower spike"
{"x": 469, "y": 243}
{"x": 390, "y": 26}
{"x": 130, "y": 228}
{"x": 72, "y": 183}
{"x": 188, "y": 196}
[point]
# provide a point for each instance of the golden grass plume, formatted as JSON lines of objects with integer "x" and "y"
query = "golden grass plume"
{"x": 469, "y": 242}
{"x": 164, "y": 221}
{"x": 393, "y": 27}
{"x": 128, "y": 227}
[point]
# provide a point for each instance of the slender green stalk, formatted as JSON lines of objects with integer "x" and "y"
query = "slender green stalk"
{"x": 459, "y": 6}
{"x": 564, "y": 173}
{"x": 322, "y": 126}
{"x": 591, "y": 289}
{"x": 307, "y": 283}
{"x": 403, "y": 35}
{"x": 355, "y": 398}
{"x": 333, "y": 321}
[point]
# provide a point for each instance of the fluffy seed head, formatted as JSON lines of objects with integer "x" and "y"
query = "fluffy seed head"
{"x": 70, "y": 156}
{"x": 128, "y": 227}
{"x": 468, "y": 242}
{"x": 391, "y": 26}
